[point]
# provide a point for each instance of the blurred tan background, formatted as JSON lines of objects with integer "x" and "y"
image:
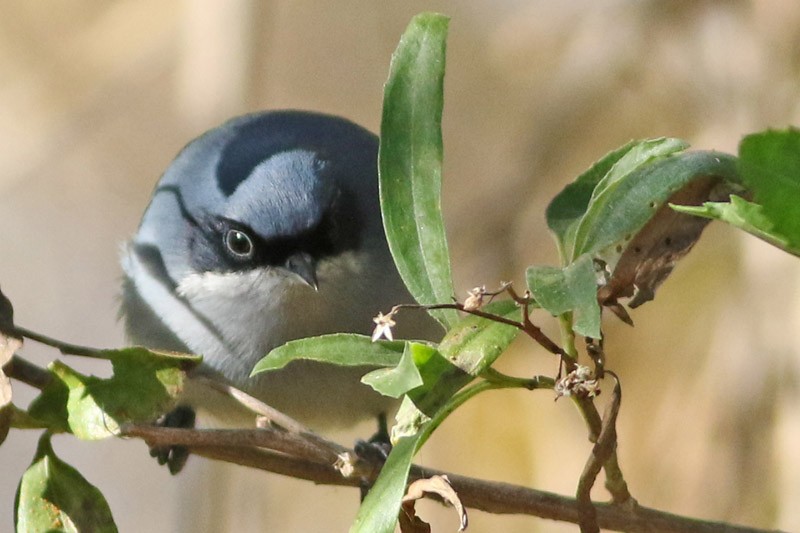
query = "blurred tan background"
{"x": 97, "y": 97}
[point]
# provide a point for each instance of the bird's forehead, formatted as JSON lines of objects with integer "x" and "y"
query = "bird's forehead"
{"x": 285, "y": 194}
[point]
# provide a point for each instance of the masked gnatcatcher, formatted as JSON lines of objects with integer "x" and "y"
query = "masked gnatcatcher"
{"x": 264, "y": 230}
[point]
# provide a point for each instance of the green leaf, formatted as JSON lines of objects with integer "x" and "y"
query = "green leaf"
{"x": 573, "y": 288}
{"x": 471, "y": 346}
{"x": 642, "y": 153}
{"x": 343, "y": 349}
{"x": 744, "y": 215}
{"x": 624, "y": 206}
{"x": 378, "y": 511}
{"x": 53, "y": 496}
{"x": 144, "y": 385}
{"x": 410, "y": 163}
{"x": 418, "y": 359}
{"x": 770, "y": 167}
{"x": 475, "y": 343}
{"x": 566, "y": 209}
{"x": 50, "y": 407}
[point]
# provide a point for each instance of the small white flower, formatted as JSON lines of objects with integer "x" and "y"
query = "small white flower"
{"x": 383, "y": 326}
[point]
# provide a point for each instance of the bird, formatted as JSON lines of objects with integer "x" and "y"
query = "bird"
{"x": 264, "y": 230}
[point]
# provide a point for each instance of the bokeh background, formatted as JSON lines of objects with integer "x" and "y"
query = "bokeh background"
{"x": 96, "y": 98}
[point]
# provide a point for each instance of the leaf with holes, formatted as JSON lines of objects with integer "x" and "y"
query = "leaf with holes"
{"x": 648, "y": 258}
{"x": 631, "y": 230}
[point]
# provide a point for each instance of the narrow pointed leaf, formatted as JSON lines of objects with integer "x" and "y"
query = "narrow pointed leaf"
{"x": 343, "y": 349}
{"x": 410, "y": 163}
{"x": 379, "y": 510}
{"x": 642, "y": 153}
{"x": 470, "y": 347}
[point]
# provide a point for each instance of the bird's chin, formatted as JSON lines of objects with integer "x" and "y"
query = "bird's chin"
{"x": 254, "y": 312}
{"x": 244, "y": 315}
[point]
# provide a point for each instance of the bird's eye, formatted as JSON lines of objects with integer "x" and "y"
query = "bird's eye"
{"x": 239, "y": 244}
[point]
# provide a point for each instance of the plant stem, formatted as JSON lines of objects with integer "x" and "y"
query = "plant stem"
{"x": 568, "y": 341}
{"x": 615, "y": 482}
{"x": 536, "y": 382}
{"x": 498, "y": 381}
{"x": 64, "y": 347}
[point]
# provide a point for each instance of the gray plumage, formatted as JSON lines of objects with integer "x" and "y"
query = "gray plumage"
{"x": 264, "y": 230}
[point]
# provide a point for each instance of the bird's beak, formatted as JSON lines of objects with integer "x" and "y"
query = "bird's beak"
{"x": 302, "y": 264}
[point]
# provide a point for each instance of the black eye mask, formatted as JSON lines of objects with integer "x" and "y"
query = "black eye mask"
{"x": 221, "y": 245}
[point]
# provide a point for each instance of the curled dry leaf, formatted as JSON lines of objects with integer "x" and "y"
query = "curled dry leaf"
{"x": 440, "y": 487}
{"x": 9, "y": 343}
{"x": 6, "y": 316}
{"x": 648, "y": 257}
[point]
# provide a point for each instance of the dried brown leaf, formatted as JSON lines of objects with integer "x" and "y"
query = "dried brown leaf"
{"x": 9, "y": 344}
{"x": 440, "y": 488}
{"x": 650, "y": 256}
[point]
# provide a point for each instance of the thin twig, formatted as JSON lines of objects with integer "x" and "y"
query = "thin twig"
{"x": 596, "y": 352}
{"x": 254, "y": 405}
{"x": 64, "y": 347}
{"x": 460, "y": 307}
{"x": 529, "y": 328}
{"x": 615, "y": 481}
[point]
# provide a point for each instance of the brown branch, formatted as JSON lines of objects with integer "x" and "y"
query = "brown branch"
{"x": 488, "y": 496}
{"x": 319, "y": 461}
{"x": 296, "y": 445}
